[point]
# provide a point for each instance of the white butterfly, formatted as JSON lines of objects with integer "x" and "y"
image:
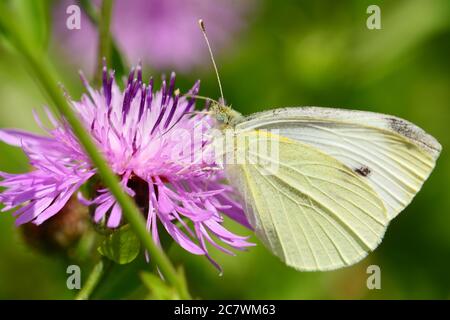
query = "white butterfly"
{"x": 341, "y": 177}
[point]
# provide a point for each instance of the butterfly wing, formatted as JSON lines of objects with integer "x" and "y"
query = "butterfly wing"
{"x": 308, "y": 208}
{"x": 393, "y": 155}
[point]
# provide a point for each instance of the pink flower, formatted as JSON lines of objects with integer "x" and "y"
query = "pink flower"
{"x": 158, "y": 147}
{"x": 161, "y": 33}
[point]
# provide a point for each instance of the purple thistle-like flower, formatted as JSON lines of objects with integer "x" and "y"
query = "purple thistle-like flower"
{"x": 161, "y": 33}
{"x": 154, "y": 142}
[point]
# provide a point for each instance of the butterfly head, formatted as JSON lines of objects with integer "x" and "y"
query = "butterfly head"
{"x": 225, "y": 114}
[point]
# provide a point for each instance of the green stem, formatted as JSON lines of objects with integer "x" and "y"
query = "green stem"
{"x": 43, "y": 71}
{"x": 90, "y": 11}
{"x": 104, "y": 37}
{"x": 115, "y": 56}
{"x": 97, "y": 274}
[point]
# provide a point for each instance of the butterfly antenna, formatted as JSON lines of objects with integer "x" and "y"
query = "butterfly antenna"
{"x": 203, "y": 29}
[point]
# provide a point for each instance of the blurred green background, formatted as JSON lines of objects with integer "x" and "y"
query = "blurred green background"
{"x": 291, "y": 53}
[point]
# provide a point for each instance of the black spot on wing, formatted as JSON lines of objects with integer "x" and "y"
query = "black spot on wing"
{"x": 363, "y": 171}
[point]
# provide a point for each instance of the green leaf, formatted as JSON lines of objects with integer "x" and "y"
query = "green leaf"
{"x": 159, "y": 289}
{"x": 122, "y": 246}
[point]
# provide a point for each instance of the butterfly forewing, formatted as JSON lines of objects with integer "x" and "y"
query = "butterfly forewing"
{"x": 394, "y": 156}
